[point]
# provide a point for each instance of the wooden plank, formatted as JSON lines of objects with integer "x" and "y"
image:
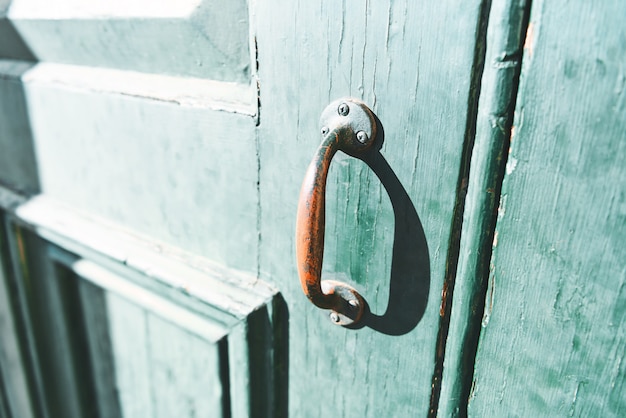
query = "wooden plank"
{"x": 14, "y": 384}
{"x": 18, "y": 167}
{"x": 220, "y": 293}
{"x": 161, "y": 369}
{"x": 185, "y": 91}
{"x": 197, "y": 38}
{"x": 183, "y": 318}
{"x": 4, "y": 408}
{"x": 503, "y": 41}
{"x": 129, "y": 338}
{"x": 45, "y": 300}
{"x": 93, "y": 302}
{"x": 19, "y": 276}
{"x": 155, "y": 323}
{"x": 553, "y": 340}
{"x": 239, "y": 377}
{"x": 184, "y": 372}
{"x": 197, "y": 189}
{"x": 411, "y": 61}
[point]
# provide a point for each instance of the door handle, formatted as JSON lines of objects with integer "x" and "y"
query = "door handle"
{"x": 348, "y": 125}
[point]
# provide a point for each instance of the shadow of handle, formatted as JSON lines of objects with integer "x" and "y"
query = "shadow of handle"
{"x": 409, "y": 282}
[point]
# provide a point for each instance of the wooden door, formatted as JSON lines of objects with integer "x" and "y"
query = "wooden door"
{"x": 154, "y": 274}
{"x": 129, "y": 282}
{"x": 553, "y": 337}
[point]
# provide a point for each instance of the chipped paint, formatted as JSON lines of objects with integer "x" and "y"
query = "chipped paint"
{"x": 511, "y": 164}
{"x": 529, "y": 42}
{"x": 491, "y": 293}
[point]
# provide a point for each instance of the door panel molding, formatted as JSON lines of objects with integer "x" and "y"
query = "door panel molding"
{"x": 194, "y": 38}
{"x": 216, "y": 332}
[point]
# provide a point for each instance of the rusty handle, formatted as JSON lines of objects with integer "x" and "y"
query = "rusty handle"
{"x": 348, "y": 125}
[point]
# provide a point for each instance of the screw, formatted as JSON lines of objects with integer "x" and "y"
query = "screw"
{"x": 334, "y": 317}
{"x": 362, "y": 137}
{"x": 324, "y": 130}
{"x": 353, "y": 303}
{"x": 344, "y": 109}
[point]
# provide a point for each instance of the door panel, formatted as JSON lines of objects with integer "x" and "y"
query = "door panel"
{"x": 222, "y": 180}
{"x": 154, "y": 108}
{"x": 195, "y": 38}
{"x": 169, "y": 144}
{"x": 412, "y": 62}
{"x": 553, "y": 340}
{"x": 126, "y": 328}
{"x": 173, "y": 165}
{"x": 14, "y": 364}
{"x": 18, "y": 168}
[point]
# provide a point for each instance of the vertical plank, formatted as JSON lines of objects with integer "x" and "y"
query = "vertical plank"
{"x": 260, "y": 364}
{"x": 239, "y": 366}
{"x": 411, "y": 61}
{"x": 14, "y": 385}
{"x": 78, "y": 356}
{"x": 131, "y": 350}
{"x": 184, "y": 372}
{"x": 503, "y": 42}
{"x": 97, "y": 333}
{"x": 45, "y": 297}
{"x": 4, "y": 407}
{"x": 18, "y": 284}
{"x": 197, "y": 38}
{"x": 553, "y": 341}
{"x": 18, "y": 167}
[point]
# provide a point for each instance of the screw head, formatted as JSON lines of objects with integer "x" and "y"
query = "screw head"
{"x": 324, "y": 130}
{"x": 334, "y": 317}
{"x": 353, "y": 303}
{"x": 343, "y": 109}
{"x": 361, "y": 136}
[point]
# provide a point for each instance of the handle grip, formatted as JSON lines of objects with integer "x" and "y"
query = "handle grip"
{"x": 348, "y": 125}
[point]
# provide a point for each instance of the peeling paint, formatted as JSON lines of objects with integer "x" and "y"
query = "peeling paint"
{"x": 511, "y": 164}
{"x": 529, "y": 42}
{"x": 490, "y": 298}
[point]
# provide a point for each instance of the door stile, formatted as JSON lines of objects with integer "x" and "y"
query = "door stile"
{"x": 501, "y": 40}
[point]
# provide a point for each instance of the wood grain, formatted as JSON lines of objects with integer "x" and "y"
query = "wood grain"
{"x": 205, "y": 39}
{"x": 553, "y": 341}
{"x": 183, "y": 175}
{"x": 411, "y": 63}
{"x": 504, "y": 38}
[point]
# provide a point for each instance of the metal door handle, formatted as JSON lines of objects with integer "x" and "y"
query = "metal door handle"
{"x": 348, "y": 125}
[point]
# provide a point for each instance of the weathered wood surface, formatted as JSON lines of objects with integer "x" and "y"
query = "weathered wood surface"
{"x": 504, "y": 38}
{"x": 214, "y": 183}
{"x": 205, "y": 39}
{"x": 553, "y": 340}
{"x": 16, "y": 398}
{"x": 18, "y": 166}
{"x": 411, "y": 62}
{"x": 184, "y": 175}
{"x": 142, "y": 329}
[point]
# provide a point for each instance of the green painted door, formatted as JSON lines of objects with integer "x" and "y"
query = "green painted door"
{"x": 152, "y": 156}
{"x": 553, "y": 339}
